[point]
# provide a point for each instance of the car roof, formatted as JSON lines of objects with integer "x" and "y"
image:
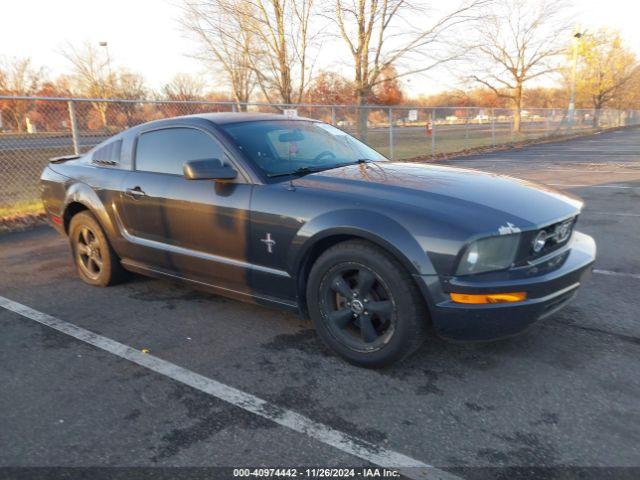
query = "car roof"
{"x": 222, "y": 118}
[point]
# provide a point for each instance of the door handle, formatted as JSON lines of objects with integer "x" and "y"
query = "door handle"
{"x": 135, "y": 193}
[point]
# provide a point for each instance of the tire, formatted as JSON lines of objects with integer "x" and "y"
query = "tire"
{"x": 382, "y": 295}
{"x": 96, "y": 262}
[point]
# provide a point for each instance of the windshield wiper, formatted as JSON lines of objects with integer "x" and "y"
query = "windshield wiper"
{"x": 356, "y": 162}
{"x": 298, "y": 171}
{"x": 305, "y": 170}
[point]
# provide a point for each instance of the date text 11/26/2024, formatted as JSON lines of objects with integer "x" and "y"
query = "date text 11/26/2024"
{"x": 309, "y": 473}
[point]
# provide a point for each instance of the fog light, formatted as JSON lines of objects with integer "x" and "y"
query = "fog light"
{"x": 488, "y": 298}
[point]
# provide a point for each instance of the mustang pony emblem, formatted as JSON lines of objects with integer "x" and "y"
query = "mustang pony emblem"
{"x": 269, "y": 242}
{"x": 563, "y": 231}
{"x": 508, "y": 228}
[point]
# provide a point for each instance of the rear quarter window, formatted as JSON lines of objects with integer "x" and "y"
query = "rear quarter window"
{"x": 108, "y": 155}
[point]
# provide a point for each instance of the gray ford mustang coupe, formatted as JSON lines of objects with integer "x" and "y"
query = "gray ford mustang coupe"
{"x": 295, "y": 213}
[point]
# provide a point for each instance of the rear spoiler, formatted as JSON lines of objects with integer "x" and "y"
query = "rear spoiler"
{"x": 63, "y": 159}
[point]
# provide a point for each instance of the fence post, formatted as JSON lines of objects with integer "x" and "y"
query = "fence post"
{"x": 512, "y": 124}
{"x": 234, "y": 108}
{"x": 547, "y": 130}
{"x": 74, "y": 127}
{"x": 570, "y": 119}
{"x": 493, "y": 127}
{"x": 390, "y": 132}
{"x": 433, "y": 132}
{"x": 466, "y": 129}
{"x": 333, "y": 116}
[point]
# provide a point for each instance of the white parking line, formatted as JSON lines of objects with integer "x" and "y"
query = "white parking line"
{"x": 519, "y": 168}
{"x": 614, "y": 214}
{"x": 592, "y": 186}
{"x": 616, "y": 274}
{"x": 571, "y": 170}
{"x": 345, "y": 442}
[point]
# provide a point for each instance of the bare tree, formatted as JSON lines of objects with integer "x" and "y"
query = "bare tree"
{"x": 129, "y": 86}
{"x": 221, "y": 29}
{"x": 284, "y": 58}
{"x": 92, "y": 75}
{"x": 518, "y": 42}
{"x": 18, "y": 76}
{"x": 265, "y": 42}
{"x": 184, "y": 88}
{"x": 384, "y": 36}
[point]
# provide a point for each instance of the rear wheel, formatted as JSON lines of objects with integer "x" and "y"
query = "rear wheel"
{"x": 365, "y": 305}
{"x": 96, "y": 262}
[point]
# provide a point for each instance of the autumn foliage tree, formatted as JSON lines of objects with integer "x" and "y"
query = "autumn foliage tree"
{"x": 18, "y": 76}
{"x": 47, "y": 115}
{"x": 605, "y": 69}
{"x": 388, "y": 90}
{"x": 330, "y": 88}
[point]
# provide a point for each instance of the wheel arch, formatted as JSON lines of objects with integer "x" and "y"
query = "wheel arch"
{"x": 70, "y": 211}
{"x": 81, "y": 197}
{"x": 323, "y": 233}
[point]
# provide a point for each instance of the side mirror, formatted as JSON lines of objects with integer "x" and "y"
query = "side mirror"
{"x": 212, "y": 169}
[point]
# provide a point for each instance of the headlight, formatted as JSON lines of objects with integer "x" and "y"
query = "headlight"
{"x": 488, "y": 254}
{"x": 539, "y": 241}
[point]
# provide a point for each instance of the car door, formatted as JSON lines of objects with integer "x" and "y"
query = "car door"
{"x": 195, "y": 229}
{"x": 140, "y": 215}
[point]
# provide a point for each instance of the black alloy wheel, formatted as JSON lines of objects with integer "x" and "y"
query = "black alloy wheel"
{"x": 365, "y": 305}
{"x": 358, "y": 307}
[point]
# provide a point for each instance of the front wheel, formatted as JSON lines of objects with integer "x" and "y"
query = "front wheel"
{"x": 365, "y": 305}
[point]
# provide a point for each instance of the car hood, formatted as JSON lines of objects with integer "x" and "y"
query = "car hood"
{"x": 482, "y": 201}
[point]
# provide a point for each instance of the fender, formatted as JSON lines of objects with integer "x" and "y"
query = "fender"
{"x": 82, "y": 193}
{"x": 375, "y": 227}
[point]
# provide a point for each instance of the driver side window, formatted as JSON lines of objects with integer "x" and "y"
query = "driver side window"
{"x": 166, "y": 150}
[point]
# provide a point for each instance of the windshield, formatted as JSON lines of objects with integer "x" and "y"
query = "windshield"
{"x": 284, "y": 147}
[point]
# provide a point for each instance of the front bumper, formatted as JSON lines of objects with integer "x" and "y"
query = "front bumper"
{"x": 549, "y": 286}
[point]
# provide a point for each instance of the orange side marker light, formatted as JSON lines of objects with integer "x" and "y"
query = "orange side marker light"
{"x": 488, "y": 298}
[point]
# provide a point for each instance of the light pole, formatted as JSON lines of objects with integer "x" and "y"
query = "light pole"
{"x": 105, "y": 45}
{"x": 572, "y": 100}
{"x": 107, "y": 87}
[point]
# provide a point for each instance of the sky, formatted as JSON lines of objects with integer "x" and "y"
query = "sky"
{"x": 144, "y": 35}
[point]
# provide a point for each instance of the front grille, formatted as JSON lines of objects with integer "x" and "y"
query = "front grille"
{"x": 526, "y": 253}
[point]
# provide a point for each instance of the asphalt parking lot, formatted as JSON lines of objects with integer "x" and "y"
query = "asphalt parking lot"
{"x": 566, "y": 393}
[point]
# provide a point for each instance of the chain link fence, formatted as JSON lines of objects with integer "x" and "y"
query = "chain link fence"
{"x": 34, "y": 129}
